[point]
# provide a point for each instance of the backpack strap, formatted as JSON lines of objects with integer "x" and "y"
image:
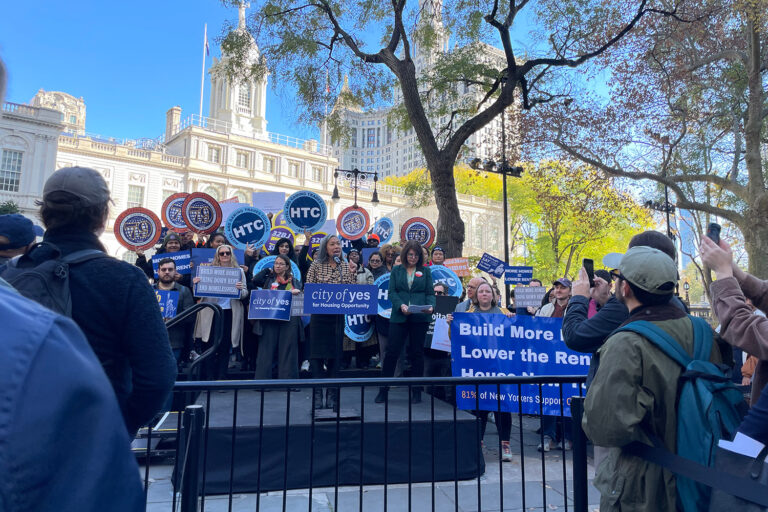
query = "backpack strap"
{"x": 702, "y": 338}
{"x": 84, "y": 255}
{"x": 660, "y": 338}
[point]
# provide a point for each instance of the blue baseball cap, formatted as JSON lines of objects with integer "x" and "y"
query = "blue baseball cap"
{"x": 18, "y": 229}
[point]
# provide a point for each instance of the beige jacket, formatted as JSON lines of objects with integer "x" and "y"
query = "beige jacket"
{"x": 205, "y": 317}
{"x": 739, "y": 326}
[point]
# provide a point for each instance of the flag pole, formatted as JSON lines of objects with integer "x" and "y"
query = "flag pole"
{"x": 202, "y": 76}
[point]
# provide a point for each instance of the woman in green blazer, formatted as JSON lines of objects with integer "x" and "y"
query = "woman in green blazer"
{"x": 410, "y": 284}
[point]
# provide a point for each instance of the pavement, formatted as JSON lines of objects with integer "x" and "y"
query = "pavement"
{"x": 502, "y": 483}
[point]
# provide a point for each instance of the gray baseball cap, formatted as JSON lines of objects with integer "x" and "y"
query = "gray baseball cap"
{"x": 85, "y": 183}
{"x": 649, "y": 269}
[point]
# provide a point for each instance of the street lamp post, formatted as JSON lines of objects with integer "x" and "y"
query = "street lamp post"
{"x": 505, "y": 170}
{"x": 687, "y": 287}
{"x": 356, "y": 177}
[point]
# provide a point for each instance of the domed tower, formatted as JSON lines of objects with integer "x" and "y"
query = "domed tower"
{"x": 240, "y": 103}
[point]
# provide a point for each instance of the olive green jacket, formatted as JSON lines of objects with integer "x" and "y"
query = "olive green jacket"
{"x": 634, "y": 394}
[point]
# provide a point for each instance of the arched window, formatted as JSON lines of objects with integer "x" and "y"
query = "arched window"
{"x": 242, "y": 197}
{"x": 213, "y": 192}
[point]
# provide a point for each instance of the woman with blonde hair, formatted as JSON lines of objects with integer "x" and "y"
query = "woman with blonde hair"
{"x": 232, "y": 316}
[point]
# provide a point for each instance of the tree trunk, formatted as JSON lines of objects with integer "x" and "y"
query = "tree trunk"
{"x": 756, "y": 245}
{"x": 450, "y": 227}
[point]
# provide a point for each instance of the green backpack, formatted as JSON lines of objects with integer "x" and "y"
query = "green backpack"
{"x": 709, "y": 407}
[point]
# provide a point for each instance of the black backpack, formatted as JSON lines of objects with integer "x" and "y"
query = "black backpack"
{"x": 46, "y": 282}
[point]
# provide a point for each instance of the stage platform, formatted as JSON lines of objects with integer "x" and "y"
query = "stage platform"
{"x": 281, "y": 459}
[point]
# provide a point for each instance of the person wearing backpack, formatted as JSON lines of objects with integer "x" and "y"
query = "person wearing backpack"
{"x": 110, "y": 300}
{"x": 634, "y": 394}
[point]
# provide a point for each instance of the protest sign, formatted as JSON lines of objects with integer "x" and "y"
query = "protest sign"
{"x": 384, "y": 228}
{"x": 491, "y": 264}
{"x": 382, "y": 295}
{"x": 227, "y": 209}
{"x": 437, "y": 333}
{"x": 201, "y": 213}
{"x": 486, "y": 345}
{"x": 278, "y": 219}
{"x": 353, "y": 222}
{"x": 181, "y": 258}
{"x": 518, "y": 275}
{"x": 137, "y": 229}
{"x": 270, "y": 202}
{"x": 275, "y": 235}
{"x": 358, "y": 328}
{"x": 346, "y": 244}
{"x": 529, "y": 296}
{"x": 419, "y": 229}
{"x": 218, "y": 282}
{"x": 204, "y": 256}
{"x": 168, "y": 301}
{"x": 171, "y": 212}
{"x": 366, "y": 253}
{"x": 329, "y": 227}
{"x": 297, "y": 304}
{"x": 269, "y": 305}
{"x": 305, "y": 210}
{"x": 247, "y": 226}
{"x": 446, "y": 276}
{"x": 269, "y": 262}
{"x": 314, "y": 243}
{"x": 460, "y": 266}
{"x": 340, "y": 299}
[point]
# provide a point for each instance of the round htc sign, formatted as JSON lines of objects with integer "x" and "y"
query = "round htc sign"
{"x": 305, "y": 210}
{"x": 247, "y": 226}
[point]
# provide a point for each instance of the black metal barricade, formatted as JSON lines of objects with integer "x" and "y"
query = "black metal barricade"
{"x": 263, "y": 446}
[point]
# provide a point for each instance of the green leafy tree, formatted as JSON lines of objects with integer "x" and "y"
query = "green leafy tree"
{"x": 9, "y": 207}
{"x": 312, "y": 46}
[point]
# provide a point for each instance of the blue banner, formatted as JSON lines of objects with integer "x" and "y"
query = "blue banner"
{"x": 446, "y": 276}
{"x": 205, "y": 257}
{"x": 486, "y": 345}
{"x": 270, "y": 305}
{"x": 340, "y": 299}
{"x": 168, "y": 302}
{"x": 181, "y": 258}
{"x": 384, "y": 227}
{"x": 491, "y": 264}
{"x": 382, "y": 295}
{"x": 220, "y": 282}
{"x": 358, "y": 328}
{"x": 518, "y": 275}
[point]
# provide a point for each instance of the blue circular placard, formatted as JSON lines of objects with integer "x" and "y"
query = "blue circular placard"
{"x": 137, "y": 229}
{"x": 305, "y": 210}
{"x": 384, "y": 227}
{"x": 171, "y": 212}
{"x": 419, "y": 229}
{"x": 201, "y": 213}
{"x": 358, "y": 328}
{"x": 247, "y": 225}
{"x": 269, "y": 262}
{"x": 446, "y": 276}
{"x": 385, "y": 305}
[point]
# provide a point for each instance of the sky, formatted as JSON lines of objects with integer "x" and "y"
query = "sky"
{"x": 129, "y": 61}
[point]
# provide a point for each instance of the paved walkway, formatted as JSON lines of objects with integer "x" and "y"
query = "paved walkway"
{"x": 534, "y": 494}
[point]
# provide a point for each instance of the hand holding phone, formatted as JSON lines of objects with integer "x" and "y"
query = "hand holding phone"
{"x": 713, "y": 232}
{"x": 589, "y": 266}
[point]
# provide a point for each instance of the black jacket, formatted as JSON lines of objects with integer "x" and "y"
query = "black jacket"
{"x": 115, "y": 307}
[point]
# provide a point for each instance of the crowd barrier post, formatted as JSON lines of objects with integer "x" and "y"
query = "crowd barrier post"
{"x": 194, "y": 419}
{"x": 580, "y": 480}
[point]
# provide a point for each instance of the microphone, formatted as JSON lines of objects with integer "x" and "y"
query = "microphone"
{"x": 337, "y": 259}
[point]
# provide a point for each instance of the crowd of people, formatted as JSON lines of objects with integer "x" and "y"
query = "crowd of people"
{"x": 90, "y": 360}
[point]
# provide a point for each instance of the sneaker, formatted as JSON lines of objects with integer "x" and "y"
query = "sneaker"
{"x": 193, "y": 355}
{"x": 566, "y": 445}
{"x": 305, "y": 366}
{"x": 506, "y": 452}
{"x": 546, "y": 445}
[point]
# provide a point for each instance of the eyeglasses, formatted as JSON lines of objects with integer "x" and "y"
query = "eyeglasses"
{"x": 227, "y": 253}
{"x": 374, "y": 261}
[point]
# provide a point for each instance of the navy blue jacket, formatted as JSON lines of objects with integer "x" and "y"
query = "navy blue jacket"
{"x": 63, "y": 444}
{"x": 115, "y": 307}
{"x": 755, "y": 423}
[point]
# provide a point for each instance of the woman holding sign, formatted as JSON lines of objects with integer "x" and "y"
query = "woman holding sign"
{"x": 413, "y": 300}
{"x": 232, "y": 334}
{"x": 326, "y": 332}
{"x": 278, "y": 336}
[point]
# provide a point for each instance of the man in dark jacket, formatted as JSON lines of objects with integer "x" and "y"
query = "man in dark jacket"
{"x": 180, "y": 334}
{"x": 112, "y": 301}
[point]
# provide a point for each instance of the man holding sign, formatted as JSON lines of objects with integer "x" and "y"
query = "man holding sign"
{"x": 180, "y": 334}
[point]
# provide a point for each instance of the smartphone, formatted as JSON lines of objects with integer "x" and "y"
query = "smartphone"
{"x": 713, "y": 232}
{"x": 589, "y": 266}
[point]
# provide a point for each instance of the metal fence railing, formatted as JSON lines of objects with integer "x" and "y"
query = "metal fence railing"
{"x": 262, "y": 445}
